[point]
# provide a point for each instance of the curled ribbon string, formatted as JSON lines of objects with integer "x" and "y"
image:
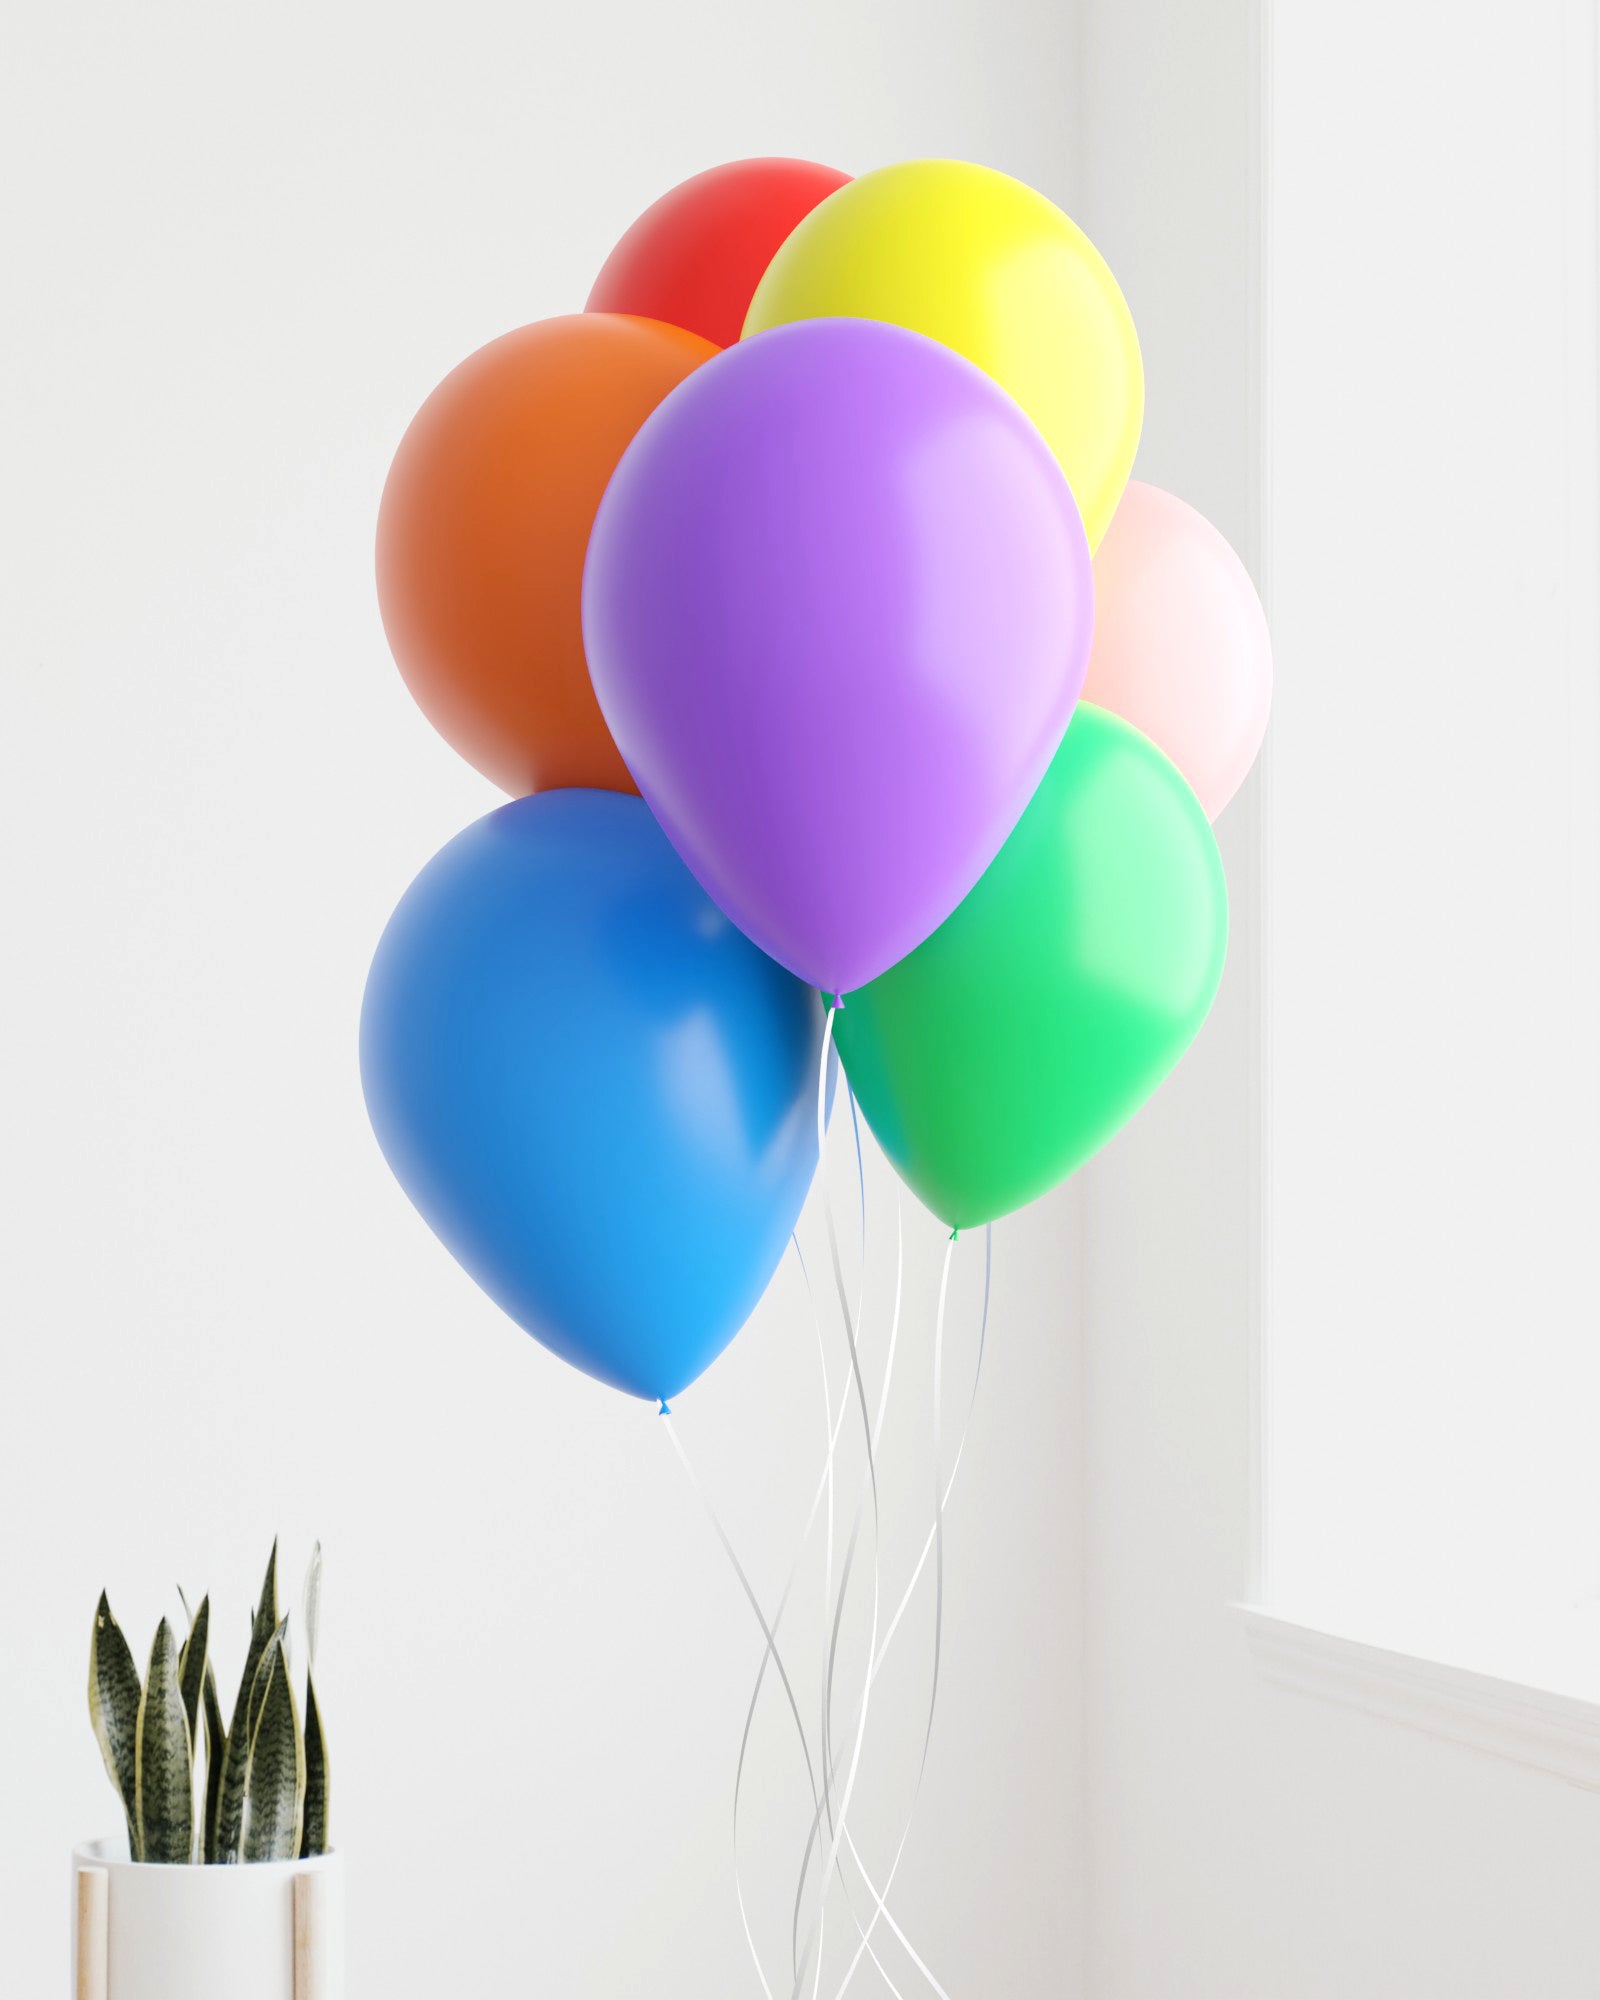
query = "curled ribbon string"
{"x": 928, "y": 1547}
{"x": 822, "y": 1356}
{"x": 822, "y": 1348}
{"x": 833, "y": 1429}
{"x": 879, "y": 1896}
{"x": 772, "y": 1653}
{"x": 934, "y": 1542}
{"x": 811, "y": 1956}
{"x": 828, "y": 1684}
{"x": 877, "y": 1434}
{"x": 825, "y": 1485}
{"x": 941, "y": 1501}
{"x": 839, "y": 1822}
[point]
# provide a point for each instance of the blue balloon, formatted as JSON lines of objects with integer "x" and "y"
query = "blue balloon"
{"x": 598, "y": 1093}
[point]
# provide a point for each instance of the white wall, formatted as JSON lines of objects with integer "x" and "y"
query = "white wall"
{"x": 1433, "y": 894}
{"x": 239, "y": 248}
{"x": 1247, "y": 1843}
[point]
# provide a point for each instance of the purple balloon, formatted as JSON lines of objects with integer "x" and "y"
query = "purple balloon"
{"x": 837, "y": 608}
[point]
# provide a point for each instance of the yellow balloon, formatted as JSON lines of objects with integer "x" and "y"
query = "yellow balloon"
{"x": 975, "y": 259}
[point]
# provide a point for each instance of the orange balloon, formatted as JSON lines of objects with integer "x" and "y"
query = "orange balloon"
{"x": 482, "y": 534}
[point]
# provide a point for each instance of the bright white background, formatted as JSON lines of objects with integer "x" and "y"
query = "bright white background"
{"x": 236, "y": 258}
{"x": 239, "y": 248}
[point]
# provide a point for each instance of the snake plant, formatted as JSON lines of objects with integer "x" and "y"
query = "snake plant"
{"x": 264, "y": 1794}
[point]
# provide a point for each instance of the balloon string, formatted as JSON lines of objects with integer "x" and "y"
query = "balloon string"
{"x": 861, "y": 1189}
{"x": 833, "y": 1246}
{"x": 825, "y": 1486}
{"x": 955, "y": 1467}
{"x": 828, "y": 1681}
{"x": 878, "y": 1897}
{"x": 772, "y": 1653}
{"x": 839, "y": 1822}
{"x": 840, "y": 1828}
{"x": 830, "y": 1431}
{"x": 861, "y": 1291}
{"x": 933, "y": 1544}
{"x": 822, "y": 1349}
{"x": 834, "y": 1427}
{"x": 883, "y": 1398}
{"x": 941, "y": 1501}
{"x": 816, "y": 1940}
{"x": 879, "y": 1649}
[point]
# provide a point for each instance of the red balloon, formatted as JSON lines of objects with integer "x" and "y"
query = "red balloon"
{"x": 695, "y": 257}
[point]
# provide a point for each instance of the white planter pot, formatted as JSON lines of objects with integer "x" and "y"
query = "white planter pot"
{"x": 264, "y": 1930}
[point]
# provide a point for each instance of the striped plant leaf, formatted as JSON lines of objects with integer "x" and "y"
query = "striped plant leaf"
{"x": 266, "y": 1780}
{"x": 216, "y": 1735}
{"x": 229, "y": 1820}
{"x": 275, "y": 1784}
{"x": 192, "y": 1662}
{"x": 216, "y": 1745}
{"x": 278, "y": 1643}
{"x": 114, "y": 1710}
{"x": 163, "y": 1785}
{"x": 314, "y": 1828}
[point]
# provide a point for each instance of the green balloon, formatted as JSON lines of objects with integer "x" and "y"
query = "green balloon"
{"x": 1010, "y": 1045}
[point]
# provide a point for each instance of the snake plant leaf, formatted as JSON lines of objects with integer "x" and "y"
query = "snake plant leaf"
{"x": 311, "y": 1604}
{"x": 192, "y": 1662}
{"x": 216, "y": 1745}
{"x": 275, "y": 1785}
{"x": 216, "y": 1735}
{"x": 163, "y": 1786}
{"x": 277, "y": 1644}
{"x": 229, "y": 1816}
{"x": 314, "y": 1827}
{"x": 114, "y": 1709}
{"x": 266, "y": 1785}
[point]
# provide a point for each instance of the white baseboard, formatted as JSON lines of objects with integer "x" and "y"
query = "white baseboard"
{"x": 1555, "y": 1733}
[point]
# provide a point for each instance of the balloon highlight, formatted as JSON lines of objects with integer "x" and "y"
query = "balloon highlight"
{"x": 837, "y": 607}
{"x": 976, "y": 260}
{"x": 1006, "y": 1050}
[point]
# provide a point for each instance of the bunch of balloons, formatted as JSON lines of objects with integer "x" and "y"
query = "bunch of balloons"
{"x": 798, "y": 591}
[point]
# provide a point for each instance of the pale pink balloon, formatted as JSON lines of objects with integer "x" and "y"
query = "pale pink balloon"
{"x": 1180, "y": 641}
